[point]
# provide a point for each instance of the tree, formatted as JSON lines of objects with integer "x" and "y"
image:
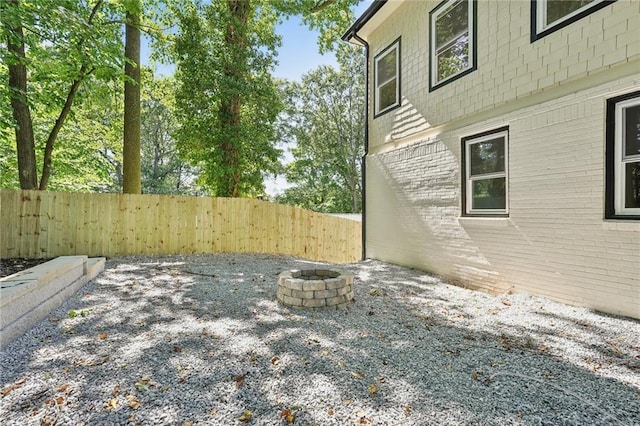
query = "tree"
{"x": 17, "y": 71}
{"x": 163, "y": 171}
{"x": 131, "y": 138}
{"x": 326, "y": 121}
{"x": 226, "y": 101}
{"x": 53, "y": 47}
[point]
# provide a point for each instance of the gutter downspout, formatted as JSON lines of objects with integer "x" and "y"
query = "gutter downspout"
{"x": 363, "y": 165}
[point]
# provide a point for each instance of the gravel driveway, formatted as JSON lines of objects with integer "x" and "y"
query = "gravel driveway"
{"x": 201, "y": 340}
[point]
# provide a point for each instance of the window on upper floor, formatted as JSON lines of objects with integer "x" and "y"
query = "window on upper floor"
{"x": 485, "y": 173}
{"x": 548, "y": 16}
{"x": 387, "y": 79}
{"x": 452, "y": 42}
{"x": 622, "y": 197}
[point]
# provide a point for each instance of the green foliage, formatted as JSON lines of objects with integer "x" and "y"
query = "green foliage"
{"x": 226, "y": 101}
{"x": 326, "y": 120}
{"x": 69, "y": 45}
{"x": 163, "y": 171}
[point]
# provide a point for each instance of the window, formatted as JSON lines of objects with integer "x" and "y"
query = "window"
{"x": 387, "y": 79}
{"x": 623, "y": 157}
{"x": 485, "y": 173}
{"x": 548, "y": 16}
{"x": 452, "y": 43}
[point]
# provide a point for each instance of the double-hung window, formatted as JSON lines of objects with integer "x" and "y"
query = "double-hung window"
{"x": 548, "y": 16}
{"x": 623, "y": 157}
{"x": 485, "y": 185}
{"x": 387, "y": 79}
{"x": 452, "y": 41}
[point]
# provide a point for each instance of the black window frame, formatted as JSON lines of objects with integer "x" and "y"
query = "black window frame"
{"x": 535, "y": 35}
{"x": 396, "y": 44}
{"x": 467, "y": 211}
{"x": 473, "y": 46}
{"x": 611, "y": 162}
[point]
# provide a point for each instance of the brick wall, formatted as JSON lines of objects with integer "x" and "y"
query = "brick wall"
{"x": 552, "y": 95}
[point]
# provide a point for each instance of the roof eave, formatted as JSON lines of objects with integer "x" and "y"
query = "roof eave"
{"x": 351, "y": 34}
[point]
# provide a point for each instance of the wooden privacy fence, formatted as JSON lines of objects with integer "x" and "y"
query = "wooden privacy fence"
{"x": 42, "y": 224}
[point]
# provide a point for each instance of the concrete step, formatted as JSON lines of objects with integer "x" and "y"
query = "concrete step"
{"x": 30, "y": 295}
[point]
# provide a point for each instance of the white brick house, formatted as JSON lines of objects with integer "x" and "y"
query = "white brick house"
{"x": 503, "y": 144}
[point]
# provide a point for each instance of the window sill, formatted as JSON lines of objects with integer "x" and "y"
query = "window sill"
{"x": 485, "y": 222}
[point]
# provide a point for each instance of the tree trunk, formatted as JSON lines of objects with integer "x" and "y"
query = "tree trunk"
{"x": 53, "y": 135}
{"x": 131, "y": 143}
{"x": 230, "y": 107}
{"x": 25, "y": 143}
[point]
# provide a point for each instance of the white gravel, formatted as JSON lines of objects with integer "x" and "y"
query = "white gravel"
{"x": 201, "y": 340}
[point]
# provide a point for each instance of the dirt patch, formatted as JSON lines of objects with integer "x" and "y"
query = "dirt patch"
{"x": 13, "y": 265}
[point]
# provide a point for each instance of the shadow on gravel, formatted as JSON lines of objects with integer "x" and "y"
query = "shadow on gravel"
{"x": 201, "y": 340}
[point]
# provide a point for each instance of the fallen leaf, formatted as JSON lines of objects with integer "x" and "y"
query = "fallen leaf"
{"x": 176, "y": 348}
{"x": 325, "y": 352}
{"x": 381, "y": 379}
{"x": 141, "y": 387}
{"x": 474, "y": 375}
{"x": 330, "y": 412}
{"x": 506, "y": 302}
{"x": 187, "y": 424}
{"x": 58, "y": 400}
{"x": 64, "y": 388}
{"x": 275, "y": 360}
{"x": 213, "y": 411}
{"x": 358, "y": 374}
{"x": 116, "y": 390}
{"x": 341, "y": 364}
{"x": 133, "y": 402}
{"x": 346, "y": 401}
{"x": 407, "y": 409}
{"x": 373, "y": 389}
{"x": 288, "y": 416}
{"x": 112, "y": 404}
{"x": 239, "y": 380}
{"x": 246, "y": 416}
{"x": 14, "y": 386}
{"x": 102, "y": 336}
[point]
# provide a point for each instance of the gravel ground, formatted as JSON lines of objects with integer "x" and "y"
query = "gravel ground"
{"x": 201, "y": 340}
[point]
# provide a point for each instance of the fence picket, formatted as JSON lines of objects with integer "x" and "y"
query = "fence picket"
{"x": 40, "y": 224}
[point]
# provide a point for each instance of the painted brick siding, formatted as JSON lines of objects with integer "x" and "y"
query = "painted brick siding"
{"x": 510, "y": 67}
{"x": 555, "y": 242}
{"x": 552, "y": 95}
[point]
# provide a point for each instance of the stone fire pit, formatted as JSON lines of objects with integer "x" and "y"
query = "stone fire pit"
{"x": 315, "y": 289}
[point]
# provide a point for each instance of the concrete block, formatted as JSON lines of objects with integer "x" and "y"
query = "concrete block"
{"x": 29, "y": 296}
{"x": 313, "y": 285}
{"x": 294, "y": 283}
{"x": 302, "y": 294}
{"x": 323, "y": 294}
{"x": 314, "y": 303}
